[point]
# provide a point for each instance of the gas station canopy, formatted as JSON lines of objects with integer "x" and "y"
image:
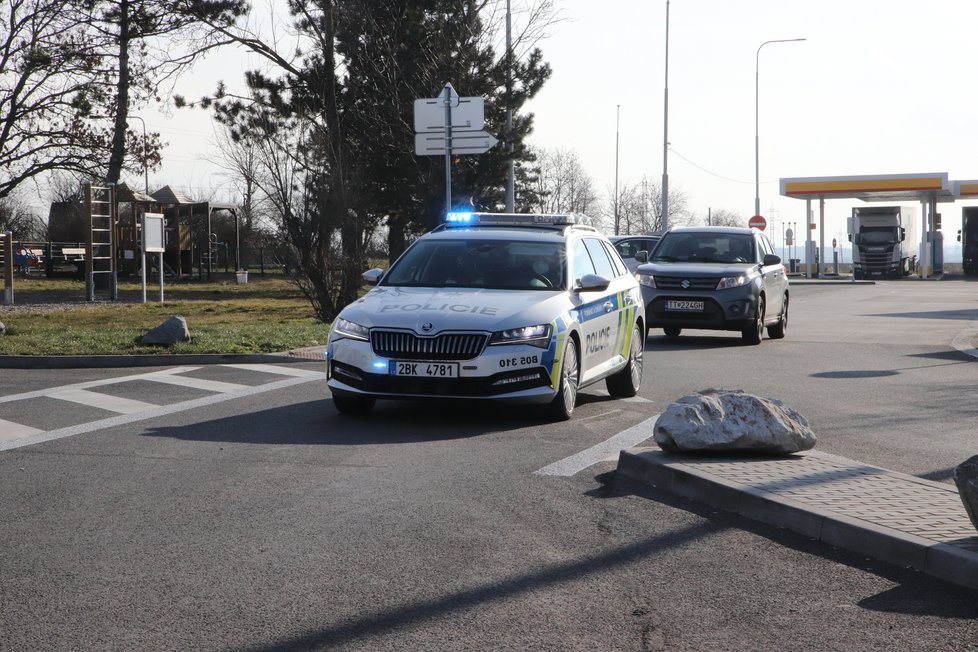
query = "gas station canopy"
{"x": 927, "y": 188}
{"x": 887, "y": 187}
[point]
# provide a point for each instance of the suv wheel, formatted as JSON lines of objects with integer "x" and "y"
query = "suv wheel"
{"x": 672, "y": 331}
{"x": 625, "y": 383}
{"x": 777, "y": 331}
{"x": 562, "y": 406}
{"x": 753, "y": 333}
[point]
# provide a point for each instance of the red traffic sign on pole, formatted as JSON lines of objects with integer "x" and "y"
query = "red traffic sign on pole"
{"x": 757, "y": 222}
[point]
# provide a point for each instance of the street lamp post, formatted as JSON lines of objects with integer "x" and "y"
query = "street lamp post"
{"x": 757, "y": 145}
{"x": 664, "y": 219}
{"x": 617, "y": 121}
{"x": 145, "y": 163}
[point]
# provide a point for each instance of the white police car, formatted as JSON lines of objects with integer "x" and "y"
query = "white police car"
{"x": 515, "y": 307}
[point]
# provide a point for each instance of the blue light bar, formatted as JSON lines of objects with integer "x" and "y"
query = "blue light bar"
{"x": 467, "y": 218}
{"x": 460, "y": 218}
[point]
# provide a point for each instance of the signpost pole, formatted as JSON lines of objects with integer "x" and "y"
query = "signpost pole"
{"x": 142, "y": 254}
{"x": 448, "y": 148}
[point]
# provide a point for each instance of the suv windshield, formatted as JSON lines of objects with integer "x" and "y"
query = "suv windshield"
{"x": 705, "y": 248}
{"x": 476, "y": 263}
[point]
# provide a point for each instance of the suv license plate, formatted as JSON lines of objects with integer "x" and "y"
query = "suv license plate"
{"x": 424, "y": 369}
{"x": 685, "y": 306}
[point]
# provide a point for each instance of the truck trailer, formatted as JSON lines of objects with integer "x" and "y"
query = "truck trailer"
{"x": 968, "y": 237}
{"x": 884, "y": 241}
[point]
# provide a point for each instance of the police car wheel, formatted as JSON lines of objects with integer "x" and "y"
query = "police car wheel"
{"x": 353, "y": 404}
{"x": 563, "y": 404}
{"x": 626, "y": 383}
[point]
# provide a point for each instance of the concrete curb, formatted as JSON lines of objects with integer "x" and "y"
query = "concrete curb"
{"x": 952, "y": 561}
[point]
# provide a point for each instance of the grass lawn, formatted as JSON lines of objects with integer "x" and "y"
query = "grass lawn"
{"x": 51, "y": 317}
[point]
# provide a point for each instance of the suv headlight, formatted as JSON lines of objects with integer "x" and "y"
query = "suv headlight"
{"x": 645, "y": 279}
{"x": 538, "y": 335}
{"x": 732, "y": 282}
{"x": 354, "y": 331}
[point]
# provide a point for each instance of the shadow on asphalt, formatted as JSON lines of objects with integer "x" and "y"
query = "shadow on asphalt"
{"x": 692, "y": 342}
{"x": 916, "y": 594}
{"x": 964, "y": 315}
{"x": 318, "y": 423}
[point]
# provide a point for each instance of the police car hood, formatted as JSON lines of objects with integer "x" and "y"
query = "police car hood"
{"x": 432, "y": 310}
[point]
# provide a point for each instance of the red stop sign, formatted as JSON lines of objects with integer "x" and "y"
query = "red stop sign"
{"x": 757, "y": 222}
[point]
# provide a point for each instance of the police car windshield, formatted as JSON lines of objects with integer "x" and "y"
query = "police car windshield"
{"x": 705, "y": 247}
{"x": 477, "y": 263}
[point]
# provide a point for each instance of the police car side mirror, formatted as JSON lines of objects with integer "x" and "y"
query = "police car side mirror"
{"x": 591, "y": 283}
{"x": 373, "y": 276}
{"x": 771, "y": 259}
{"x": 642, "y": 256}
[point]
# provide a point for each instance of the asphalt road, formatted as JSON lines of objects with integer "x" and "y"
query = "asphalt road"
{"x": 232, "y": 508}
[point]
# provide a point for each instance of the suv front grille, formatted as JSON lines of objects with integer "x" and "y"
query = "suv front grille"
{"x": 409, "y": 346}
{"x": 692, "y": 283}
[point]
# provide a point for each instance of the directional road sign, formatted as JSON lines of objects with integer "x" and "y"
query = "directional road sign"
{"x": 468, "y": 114}
{"x": 463, "y": 142}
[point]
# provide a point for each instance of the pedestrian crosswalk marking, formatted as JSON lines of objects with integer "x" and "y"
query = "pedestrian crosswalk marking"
{"x": 102, "y": 401}
{"x": 196, "y": 383}
{"x": 16, "y": 435}
{"x": 10, "y": 430}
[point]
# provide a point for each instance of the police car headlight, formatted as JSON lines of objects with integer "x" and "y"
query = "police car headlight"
{"x": 533, "y": 335}
{"x": 645, "y": 279}
{"x": 732, "y": 282}
{"x": 347, "y": 328}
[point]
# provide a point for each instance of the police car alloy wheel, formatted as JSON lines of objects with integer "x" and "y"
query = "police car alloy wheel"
{"x": 521, "y": 308}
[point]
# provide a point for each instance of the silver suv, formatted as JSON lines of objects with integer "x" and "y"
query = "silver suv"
{"x": 717, "y": 278}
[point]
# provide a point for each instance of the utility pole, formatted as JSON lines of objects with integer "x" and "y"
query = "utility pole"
{"x": 665, "y": 138}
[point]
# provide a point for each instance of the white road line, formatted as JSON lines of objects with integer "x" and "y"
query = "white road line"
{"x": 103, "y": 401}
{"x": 196, "y": 383}
{"x": 160, "y": 411}
{"x": 10, "y": 430}
{"x": 606, "y": 450}
{"x": 275, "y": 369}
{"x": 40, "y": 393}
{"x": 963, "y": 341}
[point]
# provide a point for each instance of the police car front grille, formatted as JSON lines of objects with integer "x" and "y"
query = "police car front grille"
{"x": 692, "y": 283}
{"x": 408, "y": 346}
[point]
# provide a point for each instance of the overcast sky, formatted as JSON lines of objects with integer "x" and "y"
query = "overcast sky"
{"x": 878, "y": 87}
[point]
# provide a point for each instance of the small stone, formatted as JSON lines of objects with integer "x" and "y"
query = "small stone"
{"x": 3, "y": 328}
{"x": 170, "y": 332}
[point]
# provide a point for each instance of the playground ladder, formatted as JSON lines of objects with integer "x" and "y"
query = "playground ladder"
{"x": 100, "y": 254}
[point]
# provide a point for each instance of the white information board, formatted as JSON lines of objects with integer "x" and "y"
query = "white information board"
{"x": 153, "y": 233}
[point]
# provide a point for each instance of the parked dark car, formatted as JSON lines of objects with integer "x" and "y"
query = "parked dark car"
{"x": 718, "y": 278}
{"x": 629, "y": 245}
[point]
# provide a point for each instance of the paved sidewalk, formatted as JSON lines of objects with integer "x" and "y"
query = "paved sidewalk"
{"x": 890, "y": 516}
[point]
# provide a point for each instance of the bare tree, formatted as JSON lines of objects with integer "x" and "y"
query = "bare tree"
{"x": 725, "y": 217}
{"x": 640, "y": 207}
{"x": 21, "y": 220}
{"x": 48, "y": 75}
{"x": 562, "y": 184}
{"x": 145, "y": 46}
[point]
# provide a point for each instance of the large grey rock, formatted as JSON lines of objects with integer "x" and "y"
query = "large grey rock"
{"x": 168, "y": 333}
{"x": 732, "y": 420}
{"x": 966, "y": 478}
{"x": 3, "y": 328}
